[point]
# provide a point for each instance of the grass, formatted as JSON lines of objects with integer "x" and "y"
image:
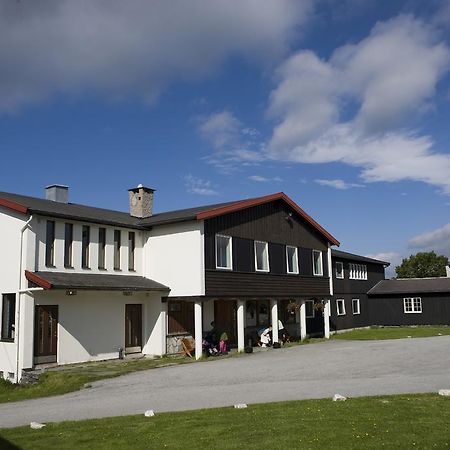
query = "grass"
{"x": 393, "y": 422}
{"x": 379, "y": 333}
{"x": 75, "y": 376}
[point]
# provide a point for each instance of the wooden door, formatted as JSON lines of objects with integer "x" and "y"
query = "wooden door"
{"x": 225, "y": 318}
{"x": 45, "y": 333}
{"x": 133, "y": 328}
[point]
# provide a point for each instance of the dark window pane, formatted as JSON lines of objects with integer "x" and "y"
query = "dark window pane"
{"x": 131, "y": 247}
{"x": 68, "y": 243}
{"x": 101, "y": 247}
{"x": 50, "y": 244}
{"x": 85, "y": 241}
{"x": 8, "y": 316}
{"x": 117, "y": 245}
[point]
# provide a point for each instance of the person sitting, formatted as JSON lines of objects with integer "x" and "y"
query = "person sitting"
{"x": 283, "y": 334}
{"x": 223, "y": 343}
{"x": 266, "y": 337}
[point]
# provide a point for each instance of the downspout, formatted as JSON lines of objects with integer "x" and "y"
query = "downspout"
{"x": 21, "y": 291}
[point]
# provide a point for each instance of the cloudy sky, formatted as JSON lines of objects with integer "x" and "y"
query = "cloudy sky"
{"x": 342, "y": 104}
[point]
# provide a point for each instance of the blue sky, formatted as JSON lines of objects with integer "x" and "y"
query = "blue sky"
{"x": 343, "y": 105}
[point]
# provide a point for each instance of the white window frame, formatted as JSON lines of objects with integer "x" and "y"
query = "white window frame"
{"x": 312, "y": 309}
{"x": 321, "y": 263}
{"x": 342, "y": 271}
{"x": 230, "y": 239}
{"x": 357, "y": 302}
{"x": 414, "y": 310}
{"x": 338, "y": 300}
{"x": 296, "y": 271}
{"x": 267, "y": 257}
{"x": 358, "y": 271}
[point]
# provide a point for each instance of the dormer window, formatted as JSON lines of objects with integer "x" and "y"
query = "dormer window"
{"x": 224, "y": 258}
{"x": 261, "y": 256}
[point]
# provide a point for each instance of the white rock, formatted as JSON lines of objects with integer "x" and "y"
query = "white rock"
{"x": 149, "y": 413}
{"x": 37, "y": 425}
{"x": 444, "y": 392}
{"x": 339, "y": 398}
{"x": 240, "y": 405}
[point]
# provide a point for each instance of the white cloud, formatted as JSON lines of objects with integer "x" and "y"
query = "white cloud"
{"x": 261, "y": 179}
{"x": 354, "y": 107}
{"x": 438, "y": 240}
{"x": 199, "y": 186}
{"x": 117, "y": 48}
{"x": 221, "y": 129}
{"x": 338, "y": 184}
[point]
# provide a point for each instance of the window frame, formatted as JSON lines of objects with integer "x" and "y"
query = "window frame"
{"x": 414, "y": 310}
{"x": 50, "y": 236}
{"x": 296, "y": 268}
{"x": 117, "y": 249}
{"x": 314, "y": 265}
{"x": 230, "y": 242}
{"x": 338, "y": 301}
{"x": 131, "y": 251}
{"x": 358, "y": 311}
{"x": 341, "y": 263}
{"x": 85, "y": 246}
{"x": 10, "y": 334}
{"x": 68, "y": 245}
{"x": 101, "y": 250}
{"x": 266, "y": 244}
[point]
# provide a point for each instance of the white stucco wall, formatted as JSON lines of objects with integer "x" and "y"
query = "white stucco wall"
{"x": 91, "y": 325}
{"x": 175, "y": 257}
{"x": 11, "y": 224}
{"x": 41, "y": 227}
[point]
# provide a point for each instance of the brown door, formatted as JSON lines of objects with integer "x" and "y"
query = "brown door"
{"x": 133, "y": 328}
{"x": 45, "y": 333}
{"x": 225, "y": 318}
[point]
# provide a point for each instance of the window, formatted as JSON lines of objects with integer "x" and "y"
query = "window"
{"x": 317, "y": 262}
{"x": 101, "y": 248}
{"x": 257, "y": 313}
{"x": 261, "y": 256}
{"x": 339, "y": 269}
{"x": 50, "y": 244}
{"x": 309, "y": 309}
{"x": 8, "y": 316}
{"x": 85, "y": 241}
{"x": 117, "y": 244}
{"x": 340, "y": 307}
{"x": 68, "y": 243}
{"x": 358, "y": 271}
{"x": 355, "y": 306}
{"x": 131, "y": 247}
{"x": 292, "y": 259}
{"x": 224, "y": 258}
{"x": 412, "y": 305}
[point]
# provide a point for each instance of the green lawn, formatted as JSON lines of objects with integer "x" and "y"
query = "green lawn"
{"x": 375, "y": 333}
{"x": 393, "y": 422}
{"x": 73, "y": 377}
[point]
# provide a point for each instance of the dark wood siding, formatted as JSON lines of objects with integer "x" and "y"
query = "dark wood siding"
{"x": 180, "y": 317}
{"x": 235, "y": 284}
{"x": 350, "y": 320}
{"x": 375, "y": 273}
{"x": 272, "y": 223}
{"x": 389, "y": 310}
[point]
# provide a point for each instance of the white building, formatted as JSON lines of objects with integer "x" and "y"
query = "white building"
{"x": 79, "y": 283}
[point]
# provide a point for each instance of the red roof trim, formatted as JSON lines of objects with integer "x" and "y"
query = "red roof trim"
{"x": 244, "y": 204}
{"x": 33, "y": 278}
{"x": 13, "y": 205}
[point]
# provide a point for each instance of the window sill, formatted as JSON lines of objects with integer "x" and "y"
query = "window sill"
{"x": 103, "y": 269}
{"x": 50, "y": 266}
{"x": 117, "y": 270}
{"x": 224, "y": 268}
{"x": 132, "y": 270}
{"x": 86, "y": 268}
{"x": 69, "y": 267}
{"x": 7, "y": 341}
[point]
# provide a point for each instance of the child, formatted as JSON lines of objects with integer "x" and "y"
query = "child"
{"x": 223, "y": 343}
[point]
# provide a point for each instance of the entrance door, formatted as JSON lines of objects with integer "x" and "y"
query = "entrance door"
{"x": 45, "y": 333}
{"x": 133, "y": 328}
{"x": 225, "y": 318}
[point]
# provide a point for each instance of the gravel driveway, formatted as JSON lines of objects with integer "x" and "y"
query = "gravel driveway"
{"x": 351, "y": 368}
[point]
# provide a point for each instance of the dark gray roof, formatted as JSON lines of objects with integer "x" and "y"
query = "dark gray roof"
{"x": 344, "y": 255}
{"x": 411, "y": 286}
{"x": 74, "y": 211}
{"x": 102, "y": 282}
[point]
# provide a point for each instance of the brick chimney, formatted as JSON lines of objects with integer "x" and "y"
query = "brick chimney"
{"x": 141, "y": 201}
{"x": 57, "y": 193}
